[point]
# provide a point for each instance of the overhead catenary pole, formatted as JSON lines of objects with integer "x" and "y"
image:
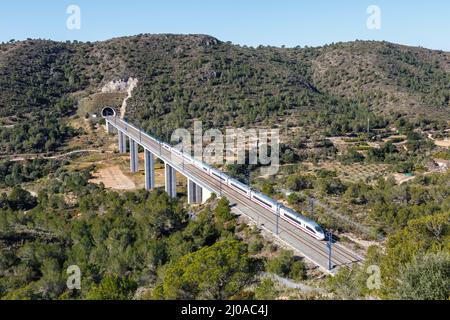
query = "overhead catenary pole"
{"x": 278, "y": 219}
{"x": 329, "y": 245}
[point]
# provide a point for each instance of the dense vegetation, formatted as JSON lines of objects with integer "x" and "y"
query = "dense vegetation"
{"x": 122, "y": 242}
{"x": 415, "y": 264}
{"x": 40, "y": 135}
{"x": 387, "y": 206}
{"x": 15, "y": 173}
{"x": 333, "y": 88}
{"x": 145, "y": 245}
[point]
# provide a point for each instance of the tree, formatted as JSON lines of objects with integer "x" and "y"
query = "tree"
{"x": 223, "y": 211}
{"x": 217, "y": 272}
{"x": 352, "y": 156}
{"x": 51, "y": 285}
{"x": 266, "y": 290}
{"x": 295, "y": 199}
{"x": 20, "y": 199}
{"x": 112, "y": 288}
{"x": 426, "y": 235}
{"x": 285, "y": 265}
{"x": 298, "y": 271}
{"x": 356, "y": 193}
{"x": 426, "y": 278}
{"x": 299, "y": 182}
{"x": 268, "y": 188}
{"x": 224, "y": 218}
{"x": 331, "y": 186}
{"x": 348, "y": 283}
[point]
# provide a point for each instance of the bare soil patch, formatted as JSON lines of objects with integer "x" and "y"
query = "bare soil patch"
{"x": 113, "y": 177}
{"x": 442, "y": 143}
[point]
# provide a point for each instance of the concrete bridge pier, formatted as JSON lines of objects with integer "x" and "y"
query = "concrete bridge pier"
{"x": 195, "y": 192}
{"x": 149, "y": 170}
{"x": 134, "y": 156}
{"x": 110, "y": 128}
{"x": 198, "y": 194}
{"x": 122, "y": 142}
{"x": 171, "y": 181}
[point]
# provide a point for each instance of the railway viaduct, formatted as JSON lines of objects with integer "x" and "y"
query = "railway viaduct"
{"x": 201, "y": 185}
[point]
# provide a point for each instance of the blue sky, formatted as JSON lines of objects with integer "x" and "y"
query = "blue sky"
{"x": 245, "y": 22}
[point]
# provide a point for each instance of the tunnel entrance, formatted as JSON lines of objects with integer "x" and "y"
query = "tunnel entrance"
{"x": 108, "y": 112}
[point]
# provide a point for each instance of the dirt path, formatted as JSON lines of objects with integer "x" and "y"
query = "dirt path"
{"x": 23, "y": 157}
{"x": 442, "y": 143}
{"x": 291, "y": 284}
{"x": 75, "y": 152}
{"x": 133, "y": 84}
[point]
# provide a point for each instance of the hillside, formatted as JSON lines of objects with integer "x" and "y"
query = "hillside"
{"x": 197, "y": 76}
{"x": 67, "y": 196}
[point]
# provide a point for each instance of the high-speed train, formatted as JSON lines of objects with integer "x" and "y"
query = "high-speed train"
{"x": 294, "y": 218}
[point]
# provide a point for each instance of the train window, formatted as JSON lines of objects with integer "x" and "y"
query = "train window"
{"x": 310, "y": 229}
{"x": 269, "y": 205}
{"x": 238, "y": 187}
{"x": 291, "y": 218}
{"x": 218, "y": 176}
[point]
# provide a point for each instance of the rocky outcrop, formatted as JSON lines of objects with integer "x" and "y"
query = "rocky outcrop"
{"x": 121, "y": 86}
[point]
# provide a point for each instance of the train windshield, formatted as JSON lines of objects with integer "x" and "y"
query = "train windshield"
{"x": 319, "y": 229}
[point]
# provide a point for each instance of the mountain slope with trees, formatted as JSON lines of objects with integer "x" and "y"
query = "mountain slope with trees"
{"x": 186, "y": 77}
{"x": 133, "y": 241}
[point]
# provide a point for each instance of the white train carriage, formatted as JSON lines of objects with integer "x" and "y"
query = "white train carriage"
{"x": 239, "y": 187}
{"x": 218, "y": 175}
{"x": 264, "y": 201}
{"x": 166, "y": 146}
{"x": 204, "y": 167}
{"x": 303, "y": 223}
